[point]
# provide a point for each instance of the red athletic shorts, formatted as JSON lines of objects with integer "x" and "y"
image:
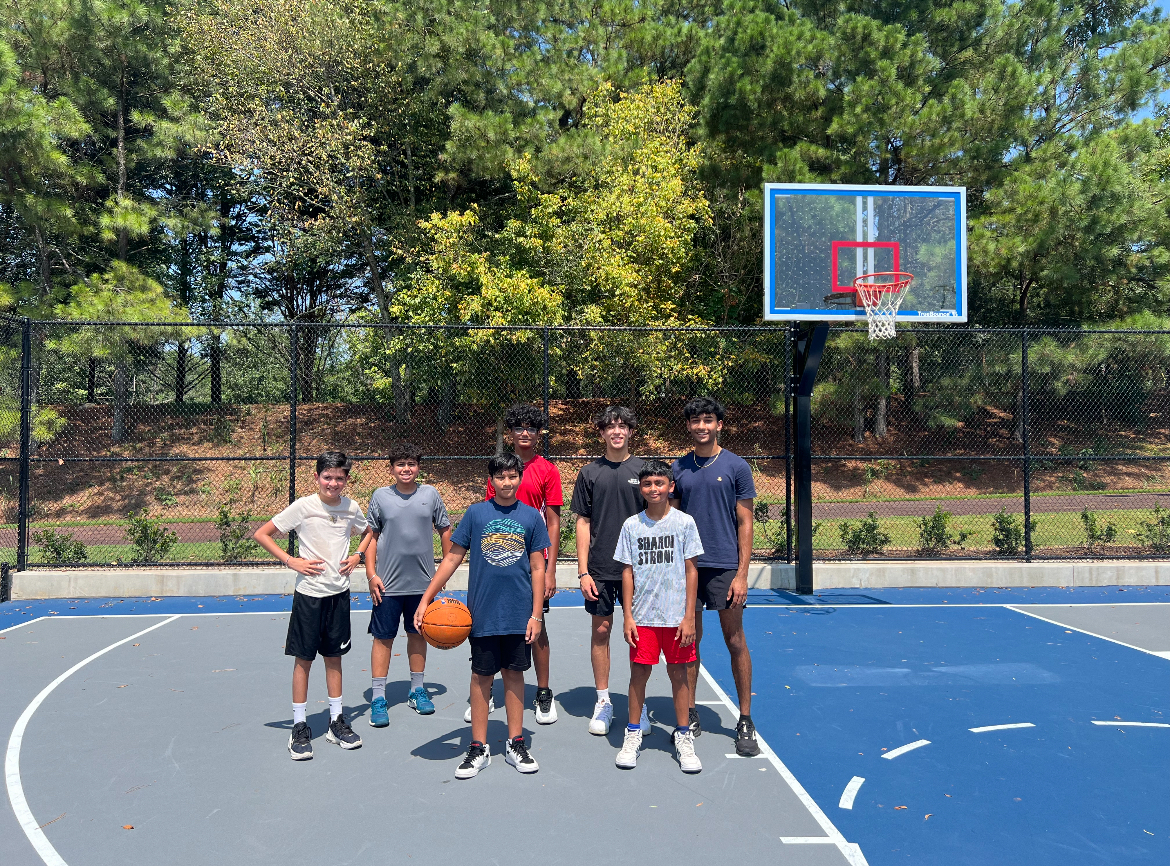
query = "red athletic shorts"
{"x": 655, "y": 639}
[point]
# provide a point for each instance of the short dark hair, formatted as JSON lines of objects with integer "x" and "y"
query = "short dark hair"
{"x": 503, "y": 462}
{"x": 332, "y": 460}
{"x": 655, "y": 467}
{"x": 616, "y": 415}
{"x": 703, "y": 406}
{"x": 405, "y": 451}
{"x": 521, "y": 415}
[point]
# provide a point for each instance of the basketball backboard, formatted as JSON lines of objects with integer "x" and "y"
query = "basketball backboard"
{"x": 819, "y": 237}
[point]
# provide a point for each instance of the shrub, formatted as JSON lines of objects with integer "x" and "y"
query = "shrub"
{"x": 865, "y": 537}
{"x": 235, "y": 533}
{"x": 1155, "y": 534}
{"x": 934, "y": 534}
{"x": 1007, "y": 533}
{"x": 1097, "y": 532}
{"x": 59, "y": 547}
{"x": 152, "y": 541}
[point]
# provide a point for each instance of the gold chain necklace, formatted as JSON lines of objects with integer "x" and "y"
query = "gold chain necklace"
{"x": 709, "y": 462}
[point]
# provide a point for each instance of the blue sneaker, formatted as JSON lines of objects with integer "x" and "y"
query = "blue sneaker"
{"x": 379, "y": 718}
{"x": 419, "y": 701}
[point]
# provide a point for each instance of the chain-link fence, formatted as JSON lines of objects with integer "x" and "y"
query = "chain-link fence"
{"x": 136, "y": 443}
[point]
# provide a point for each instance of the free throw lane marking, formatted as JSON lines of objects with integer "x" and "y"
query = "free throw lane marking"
{"x": 1085, "y": 631}
{"x": 851, "y": 851}
{"x": 1000, "y": 727}
{"x": 909, "y": 747}
{"x": 12, "y": 758}
{"x": 850, "y": 792}
{"x": 29, "y": 622}
{"x": 1133, "y": 724}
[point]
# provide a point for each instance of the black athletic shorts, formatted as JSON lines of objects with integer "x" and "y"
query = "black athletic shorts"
{"x": 609, "y": 593}
{"x": 493, "y": 653}
{"x": 385, "y": 616}
{"x": 318, "y": 625}
{"x": 714, "y": 584}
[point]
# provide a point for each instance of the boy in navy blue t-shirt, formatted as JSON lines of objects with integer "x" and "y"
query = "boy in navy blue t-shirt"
{"x": 505, "y": 593}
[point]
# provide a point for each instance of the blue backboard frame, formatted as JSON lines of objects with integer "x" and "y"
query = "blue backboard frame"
{"x": 811, "y": 312}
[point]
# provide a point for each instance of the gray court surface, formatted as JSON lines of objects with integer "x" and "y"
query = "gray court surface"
{"x": 1146, "y": 626}
{"x": 181, "y": 732}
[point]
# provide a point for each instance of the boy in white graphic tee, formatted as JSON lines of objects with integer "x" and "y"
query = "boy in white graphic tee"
{"x": 659, "y": 582}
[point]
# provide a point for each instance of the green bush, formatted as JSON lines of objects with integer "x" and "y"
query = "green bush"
{"x": 865, "y": 537}
{"x": 59, "y": 547}
{"x": 1007, "y": 533}
{"x": 1097, "y": 533}
{"x": 934, "y": 534}
{"x": 235, "y": 534}
{"x": 152, "y": 541}
{"x": 1155, "y": 534}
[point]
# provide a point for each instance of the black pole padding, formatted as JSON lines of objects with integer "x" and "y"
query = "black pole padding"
{"x": 22, "y": 493}
{"x": 810, "y": 344}
{"x": 5, "y": 582}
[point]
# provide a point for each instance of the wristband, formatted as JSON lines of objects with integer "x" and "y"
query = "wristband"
{"x": 538, "y": 619}
{"x": 582, "y": 574}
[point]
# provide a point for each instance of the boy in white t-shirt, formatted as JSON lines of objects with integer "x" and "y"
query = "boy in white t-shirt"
{"x": 659, "y": 583}
{"x": 323, "y": 522}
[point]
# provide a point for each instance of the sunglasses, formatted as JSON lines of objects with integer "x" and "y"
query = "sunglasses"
{"x": 532, "y": 430}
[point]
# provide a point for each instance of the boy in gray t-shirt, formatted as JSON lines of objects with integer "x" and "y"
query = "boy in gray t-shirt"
{"x": 400, "y": 562}
{"x": 658, "y": 547}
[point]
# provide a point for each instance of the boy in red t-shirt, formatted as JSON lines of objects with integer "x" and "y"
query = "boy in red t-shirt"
{"x": 540, "y": 487}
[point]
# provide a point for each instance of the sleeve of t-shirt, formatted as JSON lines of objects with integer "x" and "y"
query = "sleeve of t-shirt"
{"x": 674, "y": 470}
{"x": 359, "y": 519}
{"x": 745, "y": 485}
{"x": 625, "y": 546}
{"x": 582, "y": 496}
{"x": 538, "y": 535}
{"x": 462, "y": 533}
{"x": 374, "y": 513}
{"x": 692, "y": 543}
{"x": 553, "y": 494}
{"x": 290, "y": 518}
{"x": 439, "y": 518}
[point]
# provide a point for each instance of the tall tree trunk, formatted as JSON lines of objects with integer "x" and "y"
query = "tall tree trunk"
{"x": 182, "y": 351}
{"x": 215, "y": 368}
{"x": 399, "y": 370}
{"x": 91, "y": 382}
{"x": 883, "y": 401}
{"x": 913, "y": 380}
{"x": 499, "y": 435}
{"x": 400, "y": 384}
{"x": 858, "y": 416}
{"x": 123, "y": 235}
{"x": 1018, "y": 416}
{"x": 446, "y": 404}
{"x": 118, "y": 433}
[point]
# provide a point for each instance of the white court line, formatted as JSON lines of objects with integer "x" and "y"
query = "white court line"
{"x": 23, "y": 624}
{"x": 1133, "y": 724}
{"x": 1000, "y": 727}
{"x": 747, "y": 757}
{"x": 909, "y": 747}
{"x": 850, "y": 792}
{"x": 1164, "y": 655}
{"x": 12, "y": 758}
{"x": 1083, "y": 631}
{"x": 708, "y": 703}
{"x": 851, "y": 851}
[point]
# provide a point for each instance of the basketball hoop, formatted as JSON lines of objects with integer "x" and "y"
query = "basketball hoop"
{"x": 881, "y": 294}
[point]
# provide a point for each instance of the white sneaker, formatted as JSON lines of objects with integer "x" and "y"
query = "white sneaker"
{"x": 546, "y": 709}
{"x": 491, "y": 709}
{"x": 627, "y": 758}
{"x": 602, "y": 718}
{"x": 477, "y": 758}
{"x": 684, "y": 750}
{"x": 516, "y": 754}
{"x": 645, "y": 722}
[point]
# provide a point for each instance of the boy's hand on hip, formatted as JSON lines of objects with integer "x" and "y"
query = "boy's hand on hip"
{"x": 376, "y": 589}
{"x": 737, "y": 593}
{"x": 630, "y": 631}
{"x": 685, "y": 633}
{"x": 588, "y": 587}
{"x": 307, "y": 567}
{"x": 533, "y": 630}
{"x": 349, "y": 564}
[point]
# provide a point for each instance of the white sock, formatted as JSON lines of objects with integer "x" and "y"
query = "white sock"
{"x": 603, "y": 695}
{"x": 378, "y": 685}
{"x": 416, "y": 679}
{"x": 298, "y": 713}
{"x": 334, "y": 707}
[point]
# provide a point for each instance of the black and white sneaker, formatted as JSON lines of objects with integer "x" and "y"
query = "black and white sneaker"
{"x": 546, "y": 710}
{"x": 516, "y": 754}
{"x": 693, "y": 720}
{"x": 477, "y": 758}
{"x": 341, "y": 733}
{"x": 300, "y": 742}
{"x": 745, "y": 739}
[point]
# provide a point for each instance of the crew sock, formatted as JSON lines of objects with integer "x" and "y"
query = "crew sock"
{"x": 378, "y": 686}
{"x": 603, "y": 695}
{"x": 634, "y": 727}
{"x": 683, "y": 729}
{"x": 334, "y": 707}
{"x": 416, "y": 679}
{"x": 298, "y": 713}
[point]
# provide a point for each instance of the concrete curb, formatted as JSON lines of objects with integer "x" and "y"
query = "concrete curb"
{"x": 127, "y": 583}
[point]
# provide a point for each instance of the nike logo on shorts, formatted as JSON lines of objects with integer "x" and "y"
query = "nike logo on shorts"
{"x": 344, "y": 645}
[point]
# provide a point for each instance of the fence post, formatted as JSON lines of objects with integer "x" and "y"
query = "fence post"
{"x": 1025, "y": 398}
{"x": 25, "y": 444}
{"x": 5, "y": 582}
{"x": 788, "y": 442}
{"x": 545, "y": 436}
{"x": 293, "y": 365}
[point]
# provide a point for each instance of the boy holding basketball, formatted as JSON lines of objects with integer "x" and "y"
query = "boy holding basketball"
{"x": 658, "y": 548}
{"x": 399, "y": 565}
{"x": 505, "y": 593}
{"x": 319, "y": 622}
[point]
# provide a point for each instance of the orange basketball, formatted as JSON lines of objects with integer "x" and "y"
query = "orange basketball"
{"x": 446, "y": 623}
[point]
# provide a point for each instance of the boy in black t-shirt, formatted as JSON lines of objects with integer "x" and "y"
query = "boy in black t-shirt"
{"x": 605, "y": 495}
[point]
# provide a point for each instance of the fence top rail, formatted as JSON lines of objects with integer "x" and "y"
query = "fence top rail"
{"x": 467, "y": 326}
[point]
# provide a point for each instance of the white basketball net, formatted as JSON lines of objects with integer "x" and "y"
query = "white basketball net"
{"x": 881, "y": 294}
